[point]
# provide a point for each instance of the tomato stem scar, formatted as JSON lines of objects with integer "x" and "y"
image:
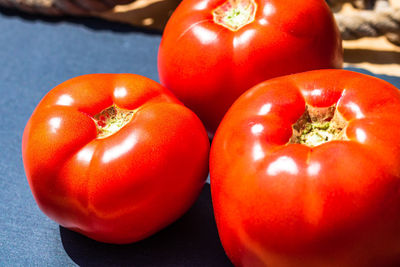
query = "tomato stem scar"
{"x": 234, "y": 14}
{"x": 111, "y": 120}
{"x": 318, "y": 125}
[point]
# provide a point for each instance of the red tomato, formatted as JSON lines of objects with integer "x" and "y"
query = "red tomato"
{"x": 114, "y": 156}
{"x": 305, "y": 171}
{"x": 213, "y": 50}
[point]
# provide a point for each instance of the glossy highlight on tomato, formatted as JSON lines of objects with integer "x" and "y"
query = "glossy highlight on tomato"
{"x": 305, "y": 171}
{"x": 212, "y": 51}
{"x": 115, "y": 157}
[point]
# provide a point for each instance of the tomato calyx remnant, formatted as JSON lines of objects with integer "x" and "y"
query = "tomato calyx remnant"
{"x": 318, "y": 125}
{"x": 111, "y": 120}
{"x": 234, "y": 14}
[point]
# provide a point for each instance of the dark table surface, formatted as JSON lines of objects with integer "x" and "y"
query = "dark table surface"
{"x": 36, "y": 54}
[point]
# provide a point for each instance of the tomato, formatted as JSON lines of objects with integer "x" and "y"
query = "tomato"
{"x": 214, "y": 50}
{"x": 305, "y": 171}
{"x": 115, "y": 157}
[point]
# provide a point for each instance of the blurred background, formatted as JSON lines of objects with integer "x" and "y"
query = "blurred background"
{"x": 370, "y": 28}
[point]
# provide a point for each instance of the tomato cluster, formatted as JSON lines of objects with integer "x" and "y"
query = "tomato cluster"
{"x": 305, "y": 168}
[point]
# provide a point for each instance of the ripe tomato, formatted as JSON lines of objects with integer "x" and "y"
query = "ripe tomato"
{"x": 305, "y": 171}
{"x": 213, "y": 50}
{"x": 114, "y": 156}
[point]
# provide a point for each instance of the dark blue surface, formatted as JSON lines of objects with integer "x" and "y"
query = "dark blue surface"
{"x": 36, "y": 54}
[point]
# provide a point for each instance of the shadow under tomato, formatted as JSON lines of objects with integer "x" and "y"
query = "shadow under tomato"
{"x": 191, "y": 241}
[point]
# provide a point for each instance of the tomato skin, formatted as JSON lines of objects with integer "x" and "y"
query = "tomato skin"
{"x": 127, "y": 186}
{"x": 336, "y": 204}
{"x": 208, "y": 66}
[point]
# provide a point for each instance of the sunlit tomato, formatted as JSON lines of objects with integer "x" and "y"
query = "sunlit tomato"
{"x": 305, "y": 171}
{"x": 114, "y": 156}
{"x": 213, "y": 50}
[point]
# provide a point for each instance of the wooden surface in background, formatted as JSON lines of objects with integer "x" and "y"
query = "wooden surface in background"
{"x": 151, "y": 14}
{"x": 374, "y": 54}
